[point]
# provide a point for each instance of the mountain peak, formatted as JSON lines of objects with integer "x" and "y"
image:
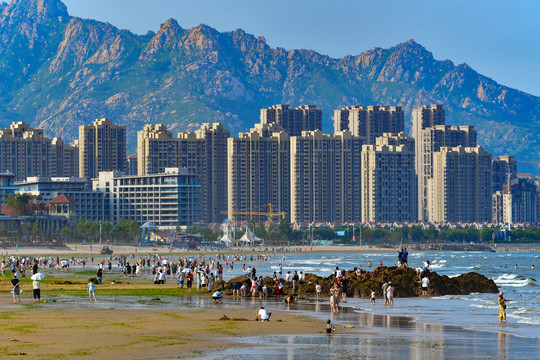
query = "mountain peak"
{"x": 170, "y": 25}
{"x": 412, "y": 46}
{"x": 39, "y": 8}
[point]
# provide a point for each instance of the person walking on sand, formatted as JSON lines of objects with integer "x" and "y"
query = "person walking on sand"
{"x": 16, "y": 290}
{"x": 36, "y": 290}
{"x": 502, "y": 307}
{"x": 390, "y": 293}
{"x": 372, "y": 297}
{"x": 92, "y": 290}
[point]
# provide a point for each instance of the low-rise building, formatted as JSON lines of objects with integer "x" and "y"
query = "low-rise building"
{"x": 87, "y": 204}
{"x": 7, "y": 186}
{"x": 167, "y": 199}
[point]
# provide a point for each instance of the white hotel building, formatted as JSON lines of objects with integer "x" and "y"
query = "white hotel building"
{"x": 168, "y": 199}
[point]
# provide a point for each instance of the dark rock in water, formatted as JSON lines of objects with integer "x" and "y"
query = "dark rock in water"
{"x": 406, "y": 283}
{"x": 156, "y": 299}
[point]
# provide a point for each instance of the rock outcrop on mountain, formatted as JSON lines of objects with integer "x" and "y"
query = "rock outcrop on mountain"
{"x": 406, "y": 283}
{"x": 58, "y": 72}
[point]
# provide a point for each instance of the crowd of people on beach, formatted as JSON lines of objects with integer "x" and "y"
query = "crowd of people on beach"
{"x": 203, "y": 272}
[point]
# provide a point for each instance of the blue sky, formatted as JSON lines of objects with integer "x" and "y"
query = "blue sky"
{"x": 498, "y": 38}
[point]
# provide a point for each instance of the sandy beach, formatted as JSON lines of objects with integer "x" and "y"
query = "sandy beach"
{"x": 135, "y": 319}
{"x": 84, "y": 250}
{"x": 39, "y": 332}
{"x": 133, "y": 334}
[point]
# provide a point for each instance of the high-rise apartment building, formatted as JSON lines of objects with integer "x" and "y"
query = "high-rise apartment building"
{"x": 427, "y": 142}
{"x": 426, "y": 116}
{"x": 157, "y": 150}
{"x": 213, "y": 177}
{"x": 203, "y": 152}
{"x": 460, "y": 189}
{"x": 258, "y": 171}
{"x": 389, "y": 191}
{"x": 522, "y": 197}
{"x": 132, "y": 165}
{"x": 502, "y": 167}
{"x": 369, "y": 122}
{"x": 497, "y": 207}
{"x": 102, "y": 147}
{"x": 325, "y": 177}
{"x": 64, "y": 159}
{"x": 294, "y": 121}
{"x": 25, "y": 152}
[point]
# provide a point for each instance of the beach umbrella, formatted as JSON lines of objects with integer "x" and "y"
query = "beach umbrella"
{"x": 38, "y": 276}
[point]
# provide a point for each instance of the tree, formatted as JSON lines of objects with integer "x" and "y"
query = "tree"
{"x": 209, "y": 234}
{"x": 106, "y": 230}
{"x": 133, "y": 230}
{"x": 379, "y": 234}
{"x": 284, "y": 229}
{"x": 260, "y": 231}
{"x": 36, "y": 230}
{"x": 251, "y": 224}
{"x": 65, "y": 233}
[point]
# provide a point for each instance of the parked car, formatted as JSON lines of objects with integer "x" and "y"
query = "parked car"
{"x": 106, "y": 250}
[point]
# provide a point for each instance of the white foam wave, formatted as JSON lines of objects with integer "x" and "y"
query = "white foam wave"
{"x": 484, "y": 306}
{"x": 515, "y": 283}
{"x": 508, "y": 277}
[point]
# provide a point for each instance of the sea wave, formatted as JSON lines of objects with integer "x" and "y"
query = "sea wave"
{"x": 514, "y": 280}
{"x": 525, "y": 316}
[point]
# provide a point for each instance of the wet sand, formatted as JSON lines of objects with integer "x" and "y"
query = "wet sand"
{"x": 192, "y": 330}
{"x": 133, "y": 334}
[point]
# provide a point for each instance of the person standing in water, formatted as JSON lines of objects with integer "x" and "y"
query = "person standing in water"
{"x": 502, "y": 307}
{"x": 390, "y": 293}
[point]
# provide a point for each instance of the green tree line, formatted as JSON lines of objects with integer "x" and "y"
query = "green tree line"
{"x": 283, "y": 234}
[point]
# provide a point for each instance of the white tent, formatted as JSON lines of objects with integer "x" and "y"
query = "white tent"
{"x": 250, "y": 237}
{"x": 225, "y": 239}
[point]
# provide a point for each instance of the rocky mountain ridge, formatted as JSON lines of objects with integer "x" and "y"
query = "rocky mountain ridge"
{"x": 58, "y": 72}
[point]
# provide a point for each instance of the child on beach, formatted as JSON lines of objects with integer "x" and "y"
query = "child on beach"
{"x": 318, "y": 289}
{"x": 91, "y": 290}
{"x": 372, "y": 297}
{"x": 330, "y": 327}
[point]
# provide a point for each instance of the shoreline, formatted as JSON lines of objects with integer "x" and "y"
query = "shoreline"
{"x": 79, "y": 250}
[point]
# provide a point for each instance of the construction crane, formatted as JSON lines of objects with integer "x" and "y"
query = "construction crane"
{"x": 270, "y": 213}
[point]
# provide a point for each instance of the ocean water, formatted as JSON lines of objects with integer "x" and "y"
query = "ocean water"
{"x": 511, "y": 271}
